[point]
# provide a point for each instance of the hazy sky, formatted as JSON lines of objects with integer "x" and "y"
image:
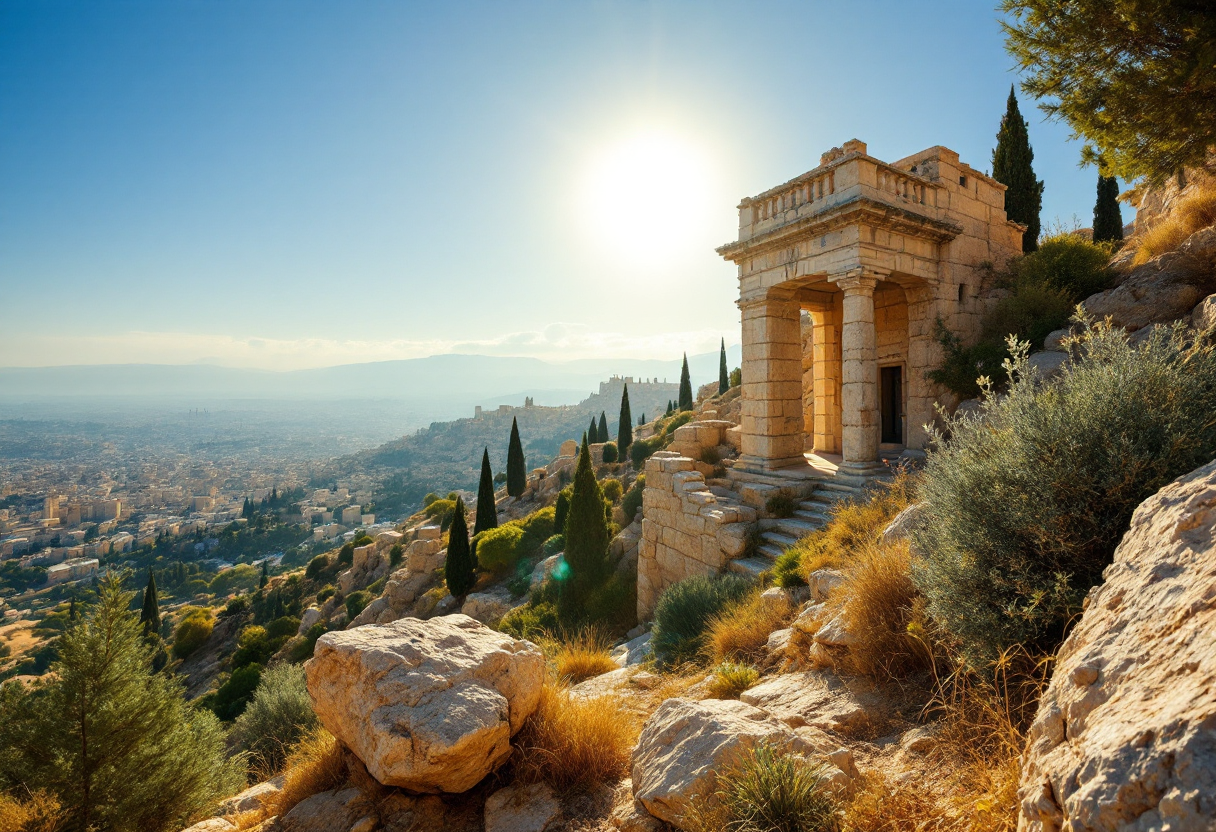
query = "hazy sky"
{"x": 288, "y": 184}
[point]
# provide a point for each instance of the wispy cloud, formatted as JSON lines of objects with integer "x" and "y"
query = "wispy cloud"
{"x": 556, "y": 342}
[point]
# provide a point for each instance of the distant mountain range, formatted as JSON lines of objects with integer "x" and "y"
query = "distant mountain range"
{"x": 447, "y": 380}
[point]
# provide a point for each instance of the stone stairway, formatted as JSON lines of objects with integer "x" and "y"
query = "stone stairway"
{"x": 776, "y": 535}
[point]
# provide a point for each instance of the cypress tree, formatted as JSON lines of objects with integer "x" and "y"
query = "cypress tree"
{"x": 586, "y": 536}
{"x": 149, "y": 616}
{"x": 487, "y": 513}
{"x": 685, "y": 402}
{"x": 459, "y": 570}
{"x": 72, "y": 609}
{"x": 603, "y": 431}
{"x": 723, "y": 373}
{"x": 560, "y": 511}
{"x": 517, "y": 477}
{"x": 1108, "y": 220}
{"x": 669, "y": 408}
{"x": 265, "y": 575}
{"x": 624, "y": 427}
{"x": 1012, "y": 165}
{"x": 593, "y": 432}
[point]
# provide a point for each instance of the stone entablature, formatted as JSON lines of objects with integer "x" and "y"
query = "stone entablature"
{"x": 875, "y": 254}
{"x": 686, "y": 529}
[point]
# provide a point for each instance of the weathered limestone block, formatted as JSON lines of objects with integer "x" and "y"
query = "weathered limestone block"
{"x": 429, "y": 706}
{"x": 1203, "y": 316}
{"x": 212, "y": 825}
{"x": 487, "y": 607}
{"x": 425, "y": 555}
{"x": 901, "y": 527}
{"x": 519, "y": 808}
{"x": 684, "y": 743}
{"x": 1125, "y": 736}
{"x": 311, "y": 616}
{"x": 326, "y": 811}
{"x": 814, "y": 698}
{"x": 252, "y": 798}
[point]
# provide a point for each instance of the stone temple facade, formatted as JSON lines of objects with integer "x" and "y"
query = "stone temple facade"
{"x": 874, "y": 254}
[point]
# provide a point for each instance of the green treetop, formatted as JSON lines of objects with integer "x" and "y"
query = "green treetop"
{"x": 1013, "y": 166}
{"x": 723, "y": 373}
{"x": 1108, "y": 220}
{"x": 149, "y": 616}
{"x": 487, "y": 512}
{"x": 517, "y": 477}
{"x": 593, "y": 432}
{"x": 624, "y": 426}
{"x": 602, "y": 432}
{"x": 586, "y": 535}
{"x": 685, "y": 402}
{"x": 459, "y": 569}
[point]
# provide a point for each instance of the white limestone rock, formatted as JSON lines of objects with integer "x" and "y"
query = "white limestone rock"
{"x": 632, "y": 652}
{"x": 326, "y": 812}
{"x": 252, "y": 798}
{"x": 311, "y": 616}
{"x": 835, "y": 633}
{"x": 429, "y": 706}
{"x": 1125, "y": 735}
{"x": 902, "y": 526}
{"x": 822, "y": 582}
{"x": 1203, "y": 316}
{"x": 487, "y": 607}
{"x": 684, "y": 743}
{"x": 815, "y": 698}
{"x": 519, "y": 808}
{"x": 212, "y": 825}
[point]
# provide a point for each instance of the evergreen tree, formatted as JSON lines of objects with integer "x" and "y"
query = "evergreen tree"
{"x": 669, "y": 408}
{"x": 560, "y": 510}
{"x": 602, "y": 433}
{"x": 265, "y": 579}
{"x": 274, "y": 495}
{"x": 149, "y": 616}
{"x": 586, "y": 537}
{"x": 1012, "y": 165}
{"x": 115, "y": 743}
{"x": 642, "y": 420}
{"x": 517, "y": 477}
{"x": 72, "y": 609}
{"x": 1108, "y": 220}
{"x": 487, "y": 512}
{"x": 723, "y": 373}
{"x": 685, "y": 402}
{"x": 459, "y": 569}
{"x": 624, "y": 427}
{"x": 593, "y": 432}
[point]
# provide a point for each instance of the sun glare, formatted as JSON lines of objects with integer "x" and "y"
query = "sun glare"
{"x": 647, "y": 196}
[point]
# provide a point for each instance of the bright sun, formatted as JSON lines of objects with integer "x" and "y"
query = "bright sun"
{"x": 647, "y": 197}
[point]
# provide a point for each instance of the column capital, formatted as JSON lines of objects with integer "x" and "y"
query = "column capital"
{"x": 861, "y": 280}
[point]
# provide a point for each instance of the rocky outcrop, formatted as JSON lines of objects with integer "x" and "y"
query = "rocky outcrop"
{"x": 519, "y": 808}
{"x": 327, "y": 812}
{"x": 1125, "y": 736}
{"x": 685, "y": 743}
{"x": 487, "y": 607}
{"x": 252, "y": 798}
{"x": 815, "y": 698}
{"x": 426, "y": 705}
{"x": 1164, "y": 289}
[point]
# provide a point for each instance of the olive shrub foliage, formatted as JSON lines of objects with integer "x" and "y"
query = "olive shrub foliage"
{"x": 1028, "y": 502}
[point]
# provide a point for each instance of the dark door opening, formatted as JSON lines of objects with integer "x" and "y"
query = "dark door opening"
{"x": 891, "y": 404}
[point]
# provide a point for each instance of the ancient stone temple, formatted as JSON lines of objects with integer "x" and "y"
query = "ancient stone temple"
{"x": 875, "y": 253}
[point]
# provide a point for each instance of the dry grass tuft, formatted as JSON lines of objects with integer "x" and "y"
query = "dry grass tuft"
{"x": 317, "y": 764}
{"x": 884, "y": 611}
{"x": 729, "y": 679}
{"x": 38, "y": 811}
{"x": 574, "y": 744}
{"x": 1191, "y": 214}
{"x": 580, "y": 658}
{"x": 740, "y": 633}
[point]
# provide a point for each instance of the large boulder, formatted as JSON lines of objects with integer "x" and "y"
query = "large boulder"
{"x": 426, "y": 705}
{"x": 816, "y": 698}
{"x": 1164, "y": 289}
{"x": 684, "y": 743}
{"x": 327, "y": 812}
{"x": 1125, "y": 736}
{"x": 519, "y": 808}
{"x": 487, "y": 607}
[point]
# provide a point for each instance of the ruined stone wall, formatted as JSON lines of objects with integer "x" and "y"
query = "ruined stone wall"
{"x": 686, "y": 530}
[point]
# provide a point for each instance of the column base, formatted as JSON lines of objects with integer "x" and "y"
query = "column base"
{"x": 861, "y": 474}
{"x": 786, "y": 465}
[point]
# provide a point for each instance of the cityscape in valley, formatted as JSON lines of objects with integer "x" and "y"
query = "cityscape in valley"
{"x": 627, "y": 417}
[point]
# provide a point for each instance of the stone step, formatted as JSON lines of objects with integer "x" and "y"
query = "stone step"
{"x": 770, "y": 550}
{"x": 779, "y": 539}
{"x": 797, "y": 527}
{"x": 751, "y": 567}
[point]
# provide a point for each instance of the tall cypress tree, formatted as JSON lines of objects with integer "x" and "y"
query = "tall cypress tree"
{"x": 1012, "y": 165}
{"x": 265, "y": 579}
{"x": 149, "y": 616}
{"x": 593, "y": 432}
{"x": 624, "y": 426}
{"x": 602, "y": 433}
{"x": 586, "y": 537}
{"x": 685, "y": 402}
{"x": 723, "y": 373}
{"x": 487, "y": 513}
{"x": 517, "y": 477}
{"x": 459, "y": 570}
{"x": 560, "y": 511}
{"x": 1108, "y": 219}
{"x": 670, "y": 408}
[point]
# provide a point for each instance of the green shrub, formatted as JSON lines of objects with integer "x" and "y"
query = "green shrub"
{"x": 496, "y": 548}
{"x": 356, "y": 602}
{"x": 346, "y": 555}
{"x": 612, "y": 607}
{"x": 1071, "y": 264}
{"x": 730, "y": 679}
{"x": 1026, "y": 507}
{"x": 962, "y": 365}
{"x": 641, "y": 449}
{"x": 767, "y": 789}
{"x": 278, "y": 716}
{"x": 302, "y": 650}
{"x": 192, "y": 631}
{"x": 232, "y": 697}
{"x": 429, "y": 498}
{"x": 253, "y": 646}
{"x": 325, "y": 594}
{"x": 286, "y": 625}
{"x": 736, "y": 377}
{"x": 531, "y": 621}
{"x": 710, "y": 456}
{"x": 441, "y": 511}
{"x": 612, "y": 490}
{"x": 316, "y": 567}
{"x": 554, "y": 545}
{"x": 787, "y": 571}
{"x": 781, "y": 505}
{"x": 538, "y": 527}
{"x": 631, "y": 503}
{"x": 395, "y": 555}
{"x": 610, "y": 453}
{"x": 684, "y": 611}
{"x": 1031, "y": 312}
{"x": 237, "y": 606}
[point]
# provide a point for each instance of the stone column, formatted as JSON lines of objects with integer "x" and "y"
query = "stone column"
{"x": 859, "y": 390}
{"x": 827, "y": 379}
{"x": 772, "y": 384}
{"x": 922, "y": 356}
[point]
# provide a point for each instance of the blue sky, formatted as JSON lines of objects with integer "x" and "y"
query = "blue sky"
{"x": 289, "y": 184}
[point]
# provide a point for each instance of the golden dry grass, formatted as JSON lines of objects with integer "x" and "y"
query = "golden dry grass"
{"x": 1191, "y": 214}
{"x": 37, "y": 811}
{"x": 573, "y": 743}
{"x": 740, "y": 633}
{"x": 884, "y": 612}
{"x": 730, "y": 679}
{"x": 580, "y": 658}
{"x": 317, "y": 764}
